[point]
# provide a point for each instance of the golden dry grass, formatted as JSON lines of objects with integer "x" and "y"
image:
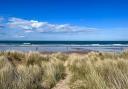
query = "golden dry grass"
{"x": 34, "y": 70}
{"x": 31, "y": 70}
{"x": 99, "y": 71}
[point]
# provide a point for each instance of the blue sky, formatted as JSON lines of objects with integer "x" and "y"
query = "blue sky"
{"x": 63, "y": 19}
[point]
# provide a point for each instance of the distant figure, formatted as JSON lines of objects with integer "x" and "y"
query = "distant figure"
{"x": 36, "y": 48}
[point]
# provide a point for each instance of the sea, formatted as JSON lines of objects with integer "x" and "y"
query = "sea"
{"x": 64, "y": 46}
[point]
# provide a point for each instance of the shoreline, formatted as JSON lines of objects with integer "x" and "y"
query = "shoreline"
{"x": 67, "y": 49}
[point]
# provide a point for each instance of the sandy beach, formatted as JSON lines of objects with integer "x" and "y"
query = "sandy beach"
{"x": 63, "y": 48}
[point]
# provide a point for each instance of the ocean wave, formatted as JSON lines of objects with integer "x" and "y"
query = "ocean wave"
{"x": 118, "y": 44}
{"x": 26, "y": 43}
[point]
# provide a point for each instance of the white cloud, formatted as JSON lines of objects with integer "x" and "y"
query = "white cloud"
{"x": 28, "y": 31}
{"x": 36, "y": 24}
{"x": 19, "y": 23}
{"x": 19, "y": 36}
{"x": 32, "y": 25}
{"x": 1, "y": 19}
{"x": 17, "y": 28}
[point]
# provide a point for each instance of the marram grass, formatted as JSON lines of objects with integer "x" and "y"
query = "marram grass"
{"x": 34, "y": 70}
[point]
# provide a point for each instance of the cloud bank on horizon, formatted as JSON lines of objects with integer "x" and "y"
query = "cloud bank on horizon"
{"x": 21, "y": 29}
{"x": 32, "y": 25}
